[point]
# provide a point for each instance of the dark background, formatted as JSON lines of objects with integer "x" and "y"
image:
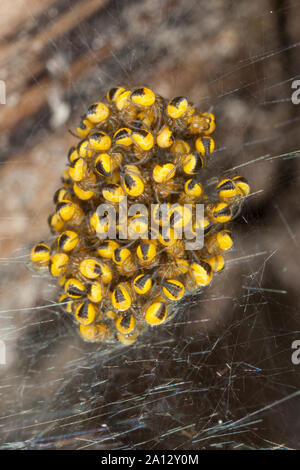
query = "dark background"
{"x": 220, "y": 375}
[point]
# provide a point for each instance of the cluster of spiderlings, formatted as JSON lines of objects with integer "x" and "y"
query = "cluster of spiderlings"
{"x": 140, "y": 148}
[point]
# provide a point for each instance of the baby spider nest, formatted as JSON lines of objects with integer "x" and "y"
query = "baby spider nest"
{"x": 136, "y": 227}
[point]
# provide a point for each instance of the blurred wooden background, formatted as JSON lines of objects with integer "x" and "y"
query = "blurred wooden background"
{"x": 240, "y": 57}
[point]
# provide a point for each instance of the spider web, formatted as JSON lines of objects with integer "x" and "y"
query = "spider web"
{"x": 220, "y": 374}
